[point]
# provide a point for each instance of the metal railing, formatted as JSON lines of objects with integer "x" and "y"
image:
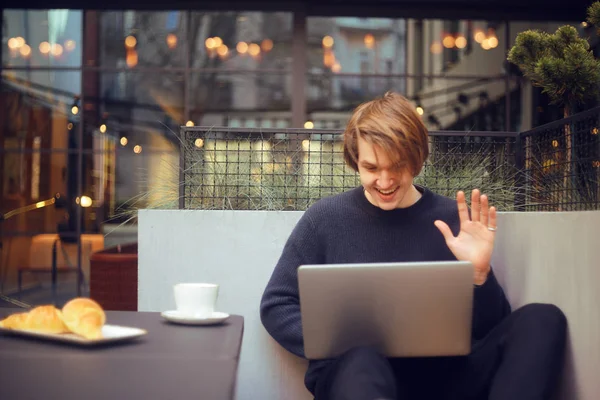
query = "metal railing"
{"x": 289, "y": 169}
{"x": 560, "y": 164}
{"x": 554, "y": 167}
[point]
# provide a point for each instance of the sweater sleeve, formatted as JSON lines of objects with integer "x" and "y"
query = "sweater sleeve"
{"x": 489, "y": 308}
{"x": 280, "y": 304}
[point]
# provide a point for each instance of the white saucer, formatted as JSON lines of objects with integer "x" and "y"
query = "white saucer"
{"x": 179, "y": 318}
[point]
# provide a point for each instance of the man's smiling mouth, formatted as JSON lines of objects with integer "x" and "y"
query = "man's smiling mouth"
{"x": 387, "y": 192}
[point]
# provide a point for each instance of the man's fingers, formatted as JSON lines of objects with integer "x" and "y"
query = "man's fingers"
{"x": 463, "y": 211}
{"x": 484, "y": 210}
{"x": 492, "y": 221}
{"x": 445, "y": 229}
{"x": 475, "y": 206}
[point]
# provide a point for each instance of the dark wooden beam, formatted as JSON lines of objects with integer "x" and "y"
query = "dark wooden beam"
{"x": 534, "y": 10}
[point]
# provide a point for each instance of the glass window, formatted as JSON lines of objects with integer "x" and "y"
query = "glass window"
{"x": 351, "y": 60}
{"x": 146, "y": 73}
{"x": 42, "y": 38}
{"x": 240, "y": 69}
{"x": 240, "y": 99}
{"x": 36, "y": 113}
{"x": 129, "y": 39}
{"x": 132, "y": 122}
{"x": 38, "y": 134}
{"x": 464, "y": 62}
{"x": 451, "y": 47}
{"x": 356, "y": 45}
{"x": 240, "y": 40}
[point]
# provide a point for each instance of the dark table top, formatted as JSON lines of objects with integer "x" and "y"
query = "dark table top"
{"x": 170, "y": 362}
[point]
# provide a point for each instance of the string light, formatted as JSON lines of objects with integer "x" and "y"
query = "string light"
{"x": 222, "y": 50}
{"x": 70, "y": 45}
{"x": 436, "y": 48}
{"x": 210, "y": 43}
{"x": 242, "y": 47}
{"x": 85, "y": 201}
{"x": 254, "y": 49}
{"x": 267, "y": 45}
{"x": 57, "y": 49}
{"x": 13, "y": 44}
{"x": 171, "y": 40}
{"x": 25, "y": 50}
{"x": 479, "y": 36}
{"x": 44, "y": 48}
{"x": 460, "y": 42}
{"x": 369, "y": 40}
{"x": 448, "y": 41}
{"x": 132, "y": 58}
{"x": 328, "y": 41}
{"x": 130, "y": 42}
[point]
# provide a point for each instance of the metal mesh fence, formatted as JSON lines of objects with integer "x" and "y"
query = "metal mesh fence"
{"x": 561, "y": 164}
{"x": 289, "y": 169}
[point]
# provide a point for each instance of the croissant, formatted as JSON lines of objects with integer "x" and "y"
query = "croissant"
{"x": 84, "y": 317}
{"x": 46, "y": 319}
{"x": 14, "y": 321}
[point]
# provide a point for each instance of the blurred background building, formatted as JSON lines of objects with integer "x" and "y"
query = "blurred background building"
{"x": 91, "y": 101}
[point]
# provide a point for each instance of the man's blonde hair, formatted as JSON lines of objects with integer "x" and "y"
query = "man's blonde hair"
{"x": 392, "y": 123}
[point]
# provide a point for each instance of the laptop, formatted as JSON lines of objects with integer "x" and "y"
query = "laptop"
{"x": 410, "y": 309}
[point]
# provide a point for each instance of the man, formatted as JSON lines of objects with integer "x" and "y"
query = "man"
{"x": 514, "y": 356}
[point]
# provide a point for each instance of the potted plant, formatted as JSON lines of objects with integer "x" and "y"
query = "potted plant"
{"x": 563, "y": 65}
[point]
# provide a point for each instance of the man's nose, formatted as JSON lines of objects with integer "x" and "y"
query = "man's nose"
{"x": 385, "y": 179}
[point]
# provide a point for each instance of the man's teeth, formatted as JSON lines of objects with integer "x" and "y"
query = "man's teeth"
{"x": 387, "y": 191}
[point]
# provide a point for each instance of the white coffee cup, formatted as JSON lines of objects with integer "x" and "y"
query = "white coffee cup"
{"x": 196, "y": 299}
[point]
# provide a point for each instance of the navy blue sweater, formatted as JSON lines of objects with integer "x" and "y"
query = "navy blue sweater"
{"x": 346, "y": 228}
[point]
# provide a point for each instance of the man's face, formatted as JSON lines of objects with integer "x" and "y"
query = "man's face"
{"x": 387, "y": 186}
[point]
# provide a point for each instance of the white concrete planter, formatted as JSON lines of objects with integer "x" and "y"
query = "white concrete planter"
{"x": 539, "y": 257}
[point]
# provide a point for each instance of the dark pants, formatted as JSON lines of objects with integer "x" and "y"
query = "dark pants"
{"x": 520, "y": 359}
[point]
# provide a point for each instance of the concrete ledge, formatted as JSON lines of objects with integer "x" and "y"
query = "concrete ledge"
{"x": 539, "y": 257}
